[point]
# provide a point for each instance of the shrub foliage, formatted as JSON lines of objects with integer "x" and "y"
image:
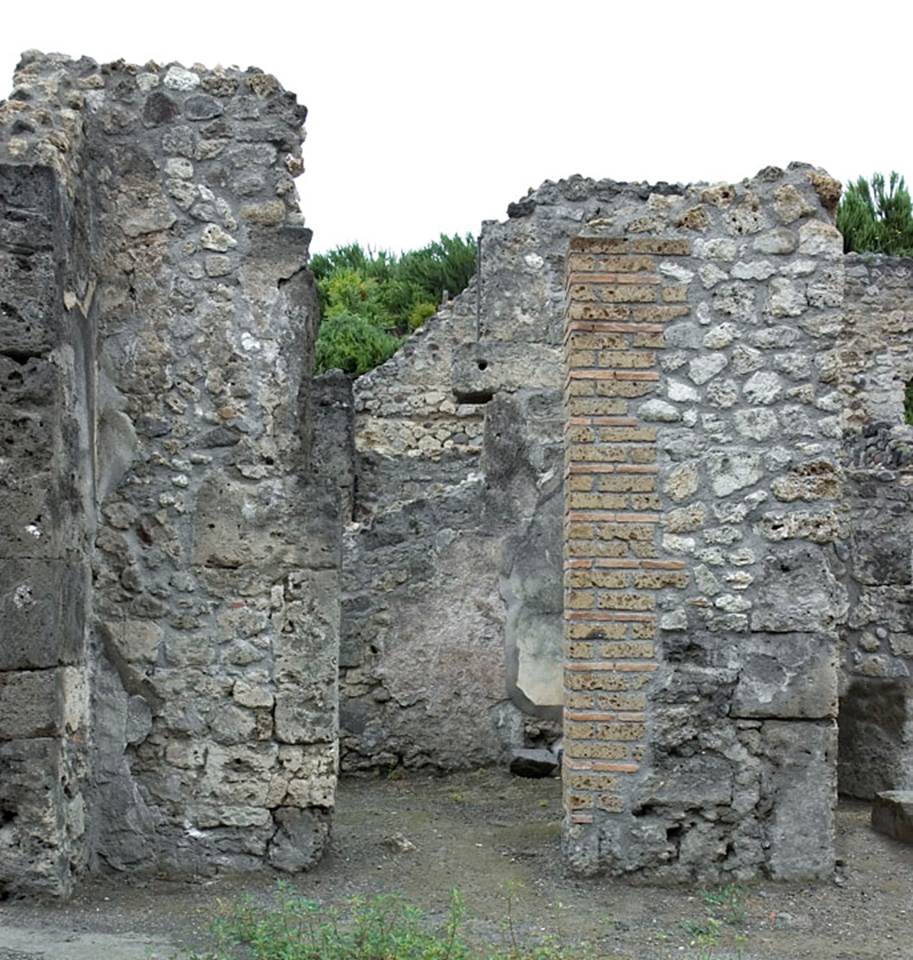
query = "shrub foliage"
{"x": 370, "y": 301}
{"x": 877, "y": 217}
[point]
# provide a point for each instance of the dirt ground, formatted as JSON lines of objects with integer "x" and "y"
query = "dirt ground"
{"x": 496, "y": 838}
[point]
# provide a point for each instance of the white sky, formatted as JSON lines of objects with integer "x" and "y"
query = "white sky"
{"x": 428, "y": 117}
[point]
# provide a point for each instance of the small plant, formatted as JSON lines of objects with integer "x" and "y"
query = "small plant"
{"x": 704, "y": 932}
{"x": 382, "y": 928}
{"x": 908, "y": 403}
{"x": 728, "y": 903}
{"x": 724, "y": 913}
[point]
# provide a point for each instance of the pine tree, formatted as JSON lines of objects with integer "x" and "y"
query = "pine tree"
{"x": 873, "y": 219}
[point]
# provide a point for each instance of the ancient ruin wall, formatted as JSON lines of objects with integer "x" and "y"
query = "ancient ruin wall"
{"x": 702, "y": 592}
{"x": 452, "y": 572}
{"x": 46, "y": 356}
{"x": 214, "y": 543}
{"x": 874, "y": 366}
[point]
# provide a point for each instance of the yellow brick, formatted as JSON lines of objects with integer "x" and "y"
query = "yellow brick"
{"x": 644, "y": 550}
{"x": 645, "y": 501}
{"x": 643, "y": 631}
{"x": 610, "y": 803}
{"x": 626, "y": 531}
{"x": 618, "y": 293}
{"x": 627, "y": 482}
{"x": 595, "y": 751}
{"x": 596, "y": 341}
{"x": 605, "y": 681}
{"x": 659, "y": 314}
{"x": 616, "y": 701}
{"x": 582, "y": 358}
{"x": 607, "y": 579}
{"x": 627, "y": 359}
{"x": 626, "y": 601}
{"x": 614, "y": 731}
{"x": 596, "y": 548}
{"x": 582, "y": 293}
{"x": 578, "y": 531}
{"x": 579, "y": 599}
{"x": 597, "y": 501}
{"x": 657, "y": 340}
{"x": 580, "y": 481}
{"x": 601, "y": 407}
{"x": 597, "y": 631}
{"x": 578, "y": 310}
{"x": 579, "y": 701}
{"x": 582, "y": 731}
{"x": 675, "y": 294}
{"x": 590, "y": 453}
{"x": 608, "y": 263}
{"x": 622, "y": 388}
{"x": 645, "y": 454}
{"x": 580, "y": 649}
{"x": 629, "y": 434}
{"x": 590, "y": 781}
{"x": 627, "y": 650}
{"x": 579, "y": 434}
{"x": 581, "y": 388}
{"x": 659, "y": 579}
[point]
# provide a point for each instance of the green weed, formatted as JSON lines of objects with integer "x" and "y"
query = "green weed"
{"x": 382, "y": 928}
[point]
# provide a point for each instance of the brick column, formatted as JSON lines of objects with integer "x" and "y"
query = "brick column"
{"x": 617, "y": 307}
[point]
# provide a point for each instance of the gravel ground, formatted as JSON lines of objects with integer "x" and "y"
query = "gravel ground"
{"x": 496, "y": 838}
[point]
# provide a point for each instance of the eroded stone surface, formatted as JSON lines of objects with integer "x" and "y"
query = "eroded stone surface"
{"x": 157, "y": 322}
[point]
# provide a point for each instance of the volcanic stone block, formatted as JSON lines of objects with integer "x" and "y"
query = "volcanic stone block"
{"x": 300, "y": 839}
{"x": 892, "y": 814}
{"x": 798, "y": 783}
{"x": 786, "y": 675}
{"x": 42, "y": 610}
{"x": 797, "y": 592}
{"x": 533, "y": 763}
{"x": 31, "y": 804}
{"x": 41, "y": 703}
{"x": 881, "y": 549}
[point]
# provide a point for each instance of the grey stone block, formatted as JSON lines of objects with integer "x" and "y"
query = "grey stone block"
{"x": 31, "y": 854}
{"x": 300, "y": 839}
{"x": 42, "y": 613}
{"x": 798, "y": 784}
{"x": 797, "y": 592}
{"x": 31, "y": 704}
{"x": 786, "y": 675}
{"x": 533, "y": 763}
{"x": 892, "y": 814}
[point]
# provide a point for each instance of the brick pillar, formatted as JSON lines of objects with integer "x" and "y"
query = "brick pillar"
{"x": 617, "y": 307}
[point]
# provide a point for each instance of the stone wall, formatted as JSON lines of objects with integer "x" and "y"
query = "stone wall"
{"x": 46, "y": 511}
{"x": 688, "y": 392}
{"x": 452, "y": 570}
{"x": 702, "y": 592}
{"x": 875, "y": 367}
{"x": 159, "y": 323}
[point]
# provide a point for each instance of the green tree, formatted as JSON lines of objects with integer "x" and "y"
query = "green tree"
{"x": 370, "y": 301}
{"x": 875, "y": 218}
{"x": 351, "y": 343}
